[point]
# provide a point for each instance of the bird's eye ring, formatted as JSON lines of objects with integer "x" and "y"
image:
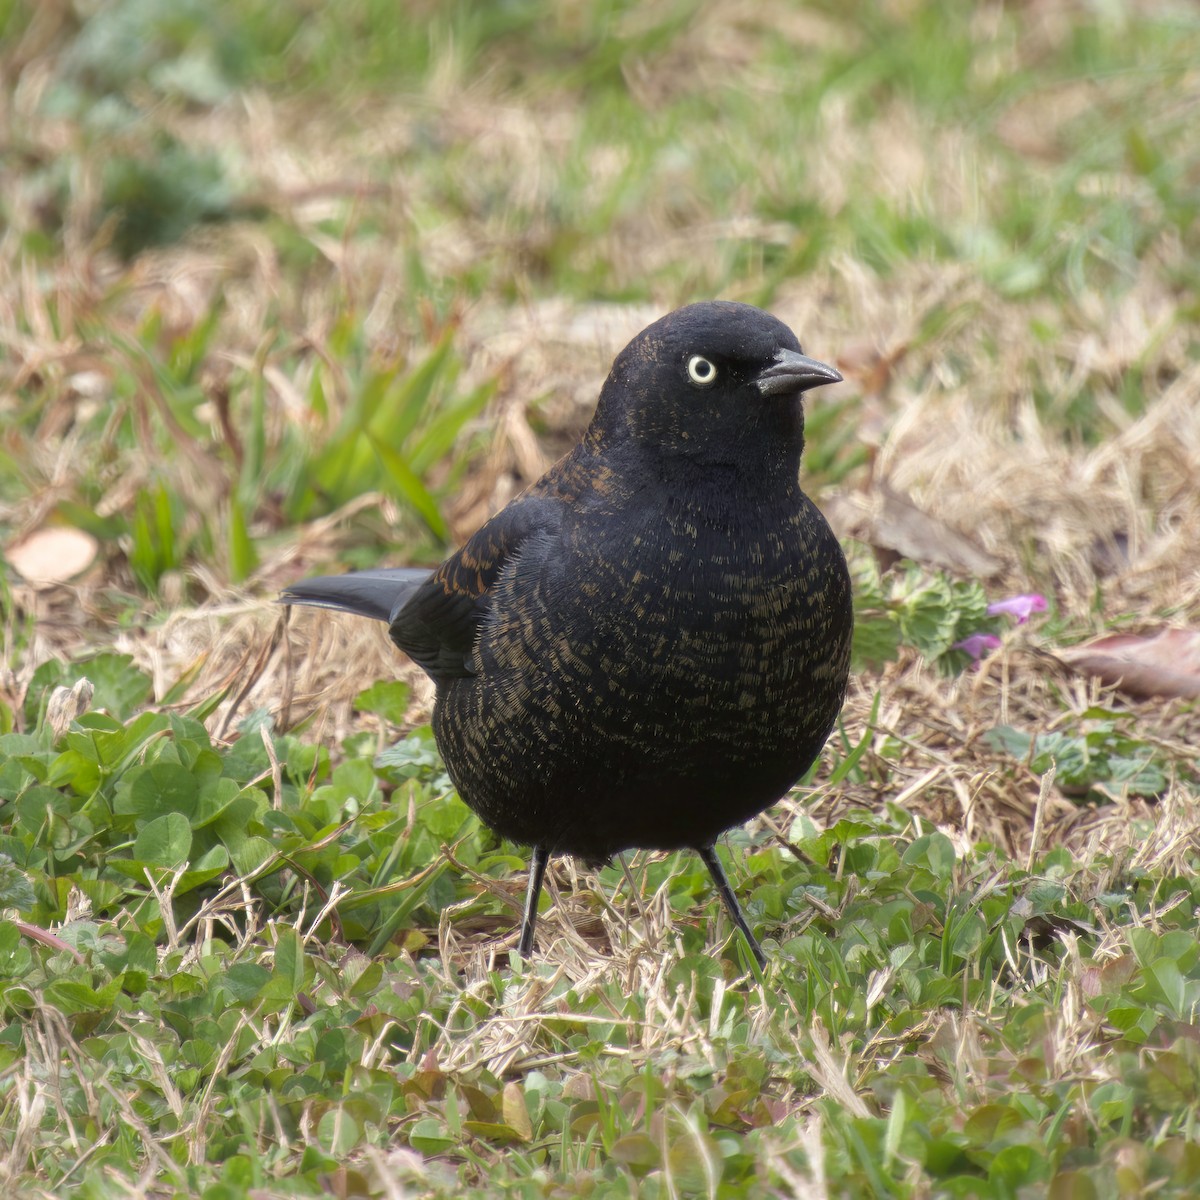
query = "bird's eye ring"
{"x": 700, "y": 371}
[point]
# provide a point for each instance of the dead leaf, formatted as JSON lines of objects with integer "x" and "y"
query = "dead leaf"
{"x": 870, "y": 366}
{"x": 47, "y": 939}
{"x": 893, "y": 525}
{"x": 516, "y": 1112}
{"x": 1164, "y": 663}
{"x": 54, "y": 554}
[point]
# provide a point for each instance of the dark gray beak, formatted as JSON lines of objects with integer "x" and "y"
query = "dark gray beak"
{"x": 794, "y": 373}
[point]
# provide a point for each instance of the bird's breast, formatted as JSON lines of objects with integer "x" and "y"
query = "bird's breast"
{"x": 675, "y": 611}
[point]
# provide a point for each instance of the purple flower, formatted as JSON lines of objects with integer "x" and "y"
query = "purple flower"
{"x": 978, "y": 644}
{"x": 1019, "y": 606}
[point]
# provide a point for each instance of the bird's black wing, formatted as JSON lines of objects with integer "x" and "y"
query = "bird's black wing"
{"x": 438, "y": 624}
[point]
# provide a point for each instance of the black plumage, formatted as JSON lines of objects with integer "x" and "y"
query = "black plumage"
{"x": 651, "y": 644}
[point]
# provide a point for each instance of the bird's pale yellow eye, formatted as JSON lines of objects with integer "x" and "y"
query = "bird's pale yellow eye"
{"x": 700, "y": 371}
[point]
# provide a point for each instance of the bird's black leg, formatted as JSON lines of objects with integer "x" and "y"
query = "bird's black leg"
{"x": 537, "y": 871}
{"x": 708, "y": 856}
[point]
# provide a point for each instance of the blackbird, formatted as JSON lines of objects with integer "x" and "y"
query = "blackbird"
{"x": 651, "y": 643}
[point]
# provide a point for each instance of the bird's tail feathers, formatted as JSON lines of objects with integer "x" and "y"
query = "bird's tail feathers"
{"x": 376, "y": 594}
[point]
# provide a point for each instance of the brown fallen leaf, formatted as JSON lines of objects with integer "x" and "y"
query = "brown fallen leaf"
{"x": 53, "y": 554}
{"x": 1163, "y": 663}
{"x": 869, "y": 365}
{"x": 47, "y": 939}
{"x": 896, "y": 528}
{"x": 516, "y": 1111}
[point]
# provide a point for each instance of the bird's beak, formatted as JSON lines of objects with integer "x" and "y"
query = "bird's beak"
{"x": 794, "y": 373}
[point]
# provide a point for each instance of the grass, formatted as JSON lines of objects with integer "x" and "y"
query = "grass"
{"x": 289, "y": 287}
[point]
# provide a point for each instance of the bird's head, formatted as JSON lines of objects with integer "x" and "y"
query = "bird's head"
{"x": 712, "y": 383}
